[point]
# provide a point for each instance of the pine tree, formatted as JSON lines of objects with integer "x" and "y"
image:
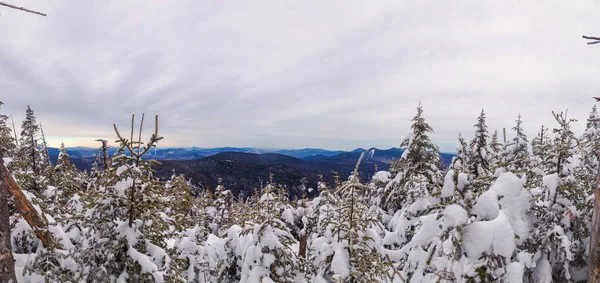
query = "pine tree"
{"x": 457, "y": 184}
{"x": 557, "y": 235}
{"x": 495, "y": 151}
{"x": 356, "y": 255}
{"x": 517, "y": 155}
{"x": 7, "y": 142}
{"x": 132, "y": 245}
{"x": 479, "y": 164}
{"x": 222, "y": 202}
{"x": 261, "y": 250}
{"x": 540, "y": 147}
{"x": 67, "y": 178}
{"x": 28, "y": 164}
{"x": 419, "y": 167}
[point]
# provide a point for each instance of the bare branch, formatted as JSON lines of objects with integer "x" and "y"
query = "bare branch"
{"x": 594, "y": 40}
{"x": 14, "y": 129}
{"x": 22, "y": 9}
{"x": 140, "y": 135}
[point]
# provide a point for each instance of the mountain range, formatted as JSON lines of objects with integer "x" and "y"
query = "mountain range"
{"x": 246, "y": 169}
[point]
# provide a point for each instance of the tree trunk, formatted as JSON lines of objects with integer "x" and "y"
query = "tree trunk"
{"x": 26, "y": 208}
{"x": 7, "y": 262}
{"x": 303, "y": 242}
{"x": 594, "y": 256}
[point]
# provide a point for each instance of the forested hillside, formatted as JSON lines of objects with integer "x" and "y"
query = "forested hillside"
{"x": 503, "y": 211}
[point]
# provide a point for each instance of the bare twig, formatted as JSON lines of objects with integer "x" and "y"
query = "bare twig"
{"x": 594, "y": 40}
{"x": 22, "y": 9}
{"x": 14, "y": 129}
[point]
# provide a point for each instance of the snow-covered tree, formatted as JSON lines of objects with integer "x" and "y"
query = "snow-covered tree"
{"x": 479, "y": 164}
{"x": 456, "y": 188}
{"x": 261, "y": 250}
{"x": 419, "y": 170}
{"x": 29, "y": 164}
{"x": 350, "y": 239}
{"x": 7, "y": 141}
{"x": 222, "y": 202}
{"x": 517, "y": 151}
{"x": 67, "y": 179}
{"x": 495, "y": 150}
{"x": 556, "y": 204}
{"x": 131, "y": 245}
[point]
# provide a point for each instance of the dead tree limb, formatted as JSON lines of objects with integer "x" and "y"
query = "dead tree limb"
{"x": 14, "y": 129}
{"x": 594, "y": 40}
{"x": 7, "y": 261}
{"x": 26, "y": 209}
{"x": 22, "y": 9}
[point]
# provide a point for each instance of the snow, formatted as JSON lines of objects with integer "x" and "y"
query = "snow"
{"x": 487, "y": 205}
{"x": 382, "y": 176}
{"x": 551, "y": 182}
{"x": 514, "y": 273}
{"x": 121, "y": 170}
{"x": 340, "y": 262}
{"x": 495, "y": 236}
{"x": 455, "y": 215}
{"x": 543, "y": 271}
{"x": 146, "y": 264}
{"x": 448, "y": 188}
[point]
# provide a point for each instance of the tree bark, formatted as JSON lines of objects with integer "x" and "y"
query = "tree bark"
{"x": 7, "y": 262}
{"x": 594, "y": 256}
{"x": 26, "y": 208}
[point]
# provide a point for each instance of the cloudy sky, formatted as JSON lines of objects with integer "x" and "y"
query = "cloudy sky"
{"x": 295, "y": 74}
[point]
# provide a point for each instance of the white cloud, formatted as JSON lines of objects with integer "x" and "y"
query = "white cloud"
{"x": 339, "y": 74}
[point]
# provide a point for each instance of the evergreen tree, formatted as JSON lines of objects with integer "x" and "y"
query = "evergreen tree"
{"x": 131, "y": 246}
{"x": 67, "y": 178}
{"x": 557, "y": 235}
{"x": 480, "y": 153}
{"x": 517, "y": 155}
{"x": 356, "y": 255}
{"x": 495, "y": 151}
{"x": 540, "y": 147}
{"x": 262, "y": 249}
{"x": 222, "y": 202}
{"x": 419, "y": 169}
{"x": 28, "y": 164}
{"x": 7, "y": 142}
{"x": 457, "y": 184}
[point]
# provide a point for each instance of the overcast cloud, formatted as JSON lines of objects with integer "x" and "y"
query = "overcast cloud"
{"x": 329, "y": 74}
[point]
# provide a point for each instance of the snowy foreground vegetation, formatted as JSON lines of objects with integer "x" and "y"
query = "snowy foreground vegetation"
{"x": 514, "y": 211}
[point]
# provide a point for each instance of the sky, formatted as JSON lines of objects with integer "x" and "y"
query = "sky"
{"x": 297, "y": 74}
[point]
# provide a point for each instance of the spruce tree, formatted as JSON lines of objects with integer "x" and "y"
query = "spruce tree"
{"x": 67, "y": 178}
{"x": 7, "y": 142}
{"x": 479, "y": 164}
{"x": 356, "y": 254}
{"x": 28, "y": 164}
{"x": 222, "y": 202}
{"x": 420, "y": 167}
{"x": 132, "y": 244}
{"x": 540, "y": 147}
{"x": 517, "y": 155}
{"x": 556, "y": 234}
{"x": 495, "y": 151}
{"x": 457, "y": 185}
{"x": 265, "y": 254}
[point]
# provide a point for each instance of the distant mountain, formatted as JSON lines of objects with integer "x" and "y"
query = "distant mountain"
{"x": 244, "y": 169}
{"x": 247, "y": 171}
{"x": 196, "y": 153}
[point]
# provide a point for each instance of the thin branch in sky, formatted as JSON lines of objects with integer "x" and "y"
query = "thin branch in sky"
{"x": 595, "y": 40}
{"x": 21, "y": 8}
